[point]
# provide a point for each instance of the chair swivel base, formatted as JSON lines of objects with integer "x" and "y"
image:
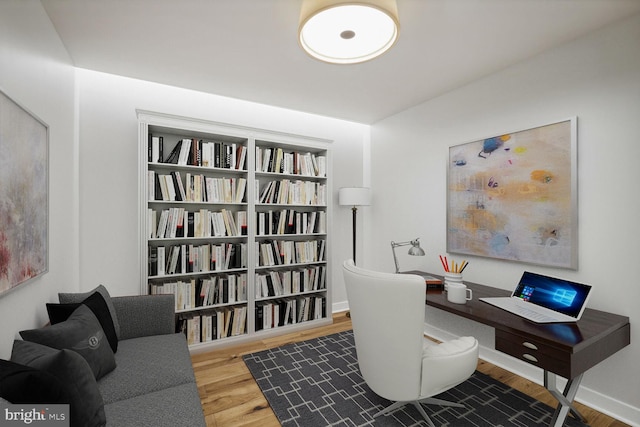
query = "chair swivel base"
{"x": 418, "y": 405}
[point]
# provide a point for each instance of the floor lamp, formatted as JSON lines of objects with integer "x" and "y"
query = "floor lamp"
{"x": 354, "y": 196}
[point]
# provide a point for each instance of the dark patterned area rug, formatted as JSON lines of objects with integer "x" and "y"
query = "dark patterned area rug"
{"x": 318, "y": 383}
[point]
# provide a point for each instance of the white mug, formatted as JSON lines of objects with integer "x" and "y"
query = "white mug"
{"x": 457, "y": 293}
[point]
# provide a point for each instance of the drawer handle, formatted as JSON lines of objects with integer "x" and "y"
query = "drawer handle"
{"x": 530, "y": 345}
{"x": 530, "y": 357}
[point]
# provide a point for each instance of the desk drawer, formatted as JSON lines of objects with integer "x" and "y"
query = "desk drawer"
{"x": 534, "y": 352}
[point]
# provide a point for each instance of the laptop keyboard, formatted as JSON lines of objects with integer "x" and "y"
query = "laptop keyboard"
{"x": 531, "y": 314}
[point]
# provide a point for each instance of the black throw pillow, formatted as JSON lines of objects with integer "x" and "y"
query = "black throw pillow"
{"x": 23, "y": 384}
{"x": 60, "y": 312}
{"x": 71, "y": 369}
{"x": 82, "y": 333}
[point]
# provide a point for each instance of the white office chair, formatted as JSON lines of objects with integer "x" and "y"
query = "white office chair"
{"x": 396, "y": 361}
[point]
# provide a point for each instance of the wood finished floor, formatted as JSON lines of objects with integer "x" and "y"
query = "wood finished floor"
{"x": 231, "y": 397}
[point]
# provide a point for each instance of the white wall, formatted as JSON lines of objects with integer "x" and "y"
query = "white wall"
{"x": 36, "y": 72}
{"x": 596, "y": 78}
{"x": 109, "y": 167}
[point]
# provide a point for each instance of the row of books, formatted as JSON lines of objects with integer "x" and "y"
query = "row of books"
{"x": 213, "y": 324}
{"x": 286, "y": 252}
{"x": 204, "y": 292}
{"x": 289, "y": 221}
{"x": 196, "y": 152}
{"x": 184, "y": 259}
{"x": 288, "y": 282}
{"x": 287, "y": 311}
{"x": 195, "y": 188}
{"x": 178, "y": 222}
{"x": 294, "y": 163}
{"x": 287, "y": 192}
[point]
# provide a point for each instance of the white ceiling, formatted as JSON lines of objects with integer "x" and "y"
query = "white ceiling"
{"x": 248, "y": 49}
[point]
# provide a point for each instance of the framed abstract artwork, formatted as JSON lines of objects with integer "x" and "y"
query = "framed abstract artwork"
{"x": 514, "y": 196}
{"x": 24, "y": 195}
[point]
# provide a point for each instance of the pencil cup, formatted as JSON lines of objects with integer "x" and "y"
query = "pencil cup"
{"x": 452, "y": 278}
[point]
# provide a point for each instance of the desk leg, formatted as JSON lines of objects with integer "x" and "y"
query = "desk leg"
{"x": 565, "y": 400}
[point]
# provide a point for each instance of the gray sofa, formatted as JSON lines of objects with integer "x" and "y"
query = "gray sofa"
{"x": 153, "y": 383}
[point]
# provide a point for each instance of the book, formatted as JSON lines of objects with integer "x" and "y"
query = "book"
{"x": 174, "y": 154}
{"x": 185, "y": 149}
{"x": 431, "y": 281}
{"x": 241, "y": 157}
{"x": 154, "y": 156}
{"x": 153, "y": 261}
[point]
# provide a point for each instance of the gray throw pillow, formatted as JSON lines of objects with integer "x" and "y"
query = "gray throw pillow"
{"x": 68, "y": 298}
{"x": 82, "y": 333}
{"x": 86, "y": 404}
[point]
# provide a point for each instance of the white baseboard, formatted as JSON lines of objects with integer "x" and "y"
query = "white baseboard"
{"x": 337, "y": 307}
{"x": 596, "y": 400}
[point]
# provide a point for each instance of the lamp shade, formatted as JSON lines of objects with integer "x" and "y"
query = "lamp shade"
{"x": 347, "y": 32}
{"x": 416, "y": 250}
{"x": 354, "y": 196}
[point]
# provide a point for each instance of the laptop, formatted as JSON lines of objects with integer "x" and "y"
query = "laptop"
{"x": 543, "y": 299}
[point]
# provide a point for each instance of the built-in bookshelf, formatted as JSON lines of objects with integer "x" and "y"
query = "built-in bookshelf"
{"x": 234, "y": 222}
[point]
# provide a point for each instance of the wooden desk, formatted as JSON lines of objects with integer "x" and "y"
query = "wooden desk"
{"x": 565, "y": 349}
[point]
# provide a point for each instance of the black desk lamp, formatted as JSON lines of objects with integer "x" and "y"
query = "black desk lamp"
{"x": 354, "y": 196}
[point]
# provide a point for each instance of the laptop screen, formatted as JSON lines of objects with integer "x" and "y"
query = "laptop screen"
{"x": 559, "y": 295}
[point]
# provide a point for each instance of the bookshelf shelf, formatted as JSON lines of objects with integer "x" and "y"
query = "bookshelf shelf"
{"x": 276, "y": 175}
{"x": 210, "y": 196}
{"x": 210, "y": 307}
{"x": 287, "y": 236}
{"x": 284, "y": 266}
{"x": 197, "y": 273}
{"x": 197, "y": 239}
{"x": 188, "y": 203}
{"x": 198, "y": 169}
{"x": 269, "y": 298}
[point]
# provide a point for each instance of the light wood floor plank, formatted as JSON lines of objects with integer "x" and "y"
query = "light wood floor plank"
{"x": 231, "y": 397}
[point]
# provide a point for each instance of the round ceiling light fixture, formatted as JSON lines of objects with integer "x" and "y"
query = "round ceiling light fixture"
{"x": 348, "y": 32}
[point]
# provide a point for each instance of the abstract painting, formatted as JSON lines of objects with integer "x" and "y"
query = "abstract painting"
{"x": 514, "y": 196}
{"x": 24, "y": 187}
